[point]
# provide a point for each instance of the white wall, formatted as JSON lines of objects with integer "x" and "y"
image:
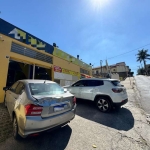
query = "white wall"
{"x": 122, "y": 69}
{"x": 115, "y": 76}
{"x": 65, "y": 79}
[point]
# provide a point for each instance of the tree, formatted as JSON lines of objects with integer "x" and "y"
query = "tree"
{"x": 142, "y": 56}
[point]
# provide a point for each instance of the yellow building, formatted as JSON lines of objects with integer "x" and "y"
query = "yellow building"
{"x": 24, "y": 56}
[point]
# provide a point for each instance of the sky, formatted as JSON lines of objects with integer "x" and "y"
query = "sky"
{"x": 93, "y": 29}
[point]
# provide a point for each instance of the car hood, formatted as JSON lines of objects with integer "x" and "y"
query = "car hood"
{"x": 66, "y": 86}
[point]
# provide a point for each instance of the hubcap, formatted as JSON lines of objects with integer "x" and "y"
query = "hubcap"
{"x": 102, "y": 105}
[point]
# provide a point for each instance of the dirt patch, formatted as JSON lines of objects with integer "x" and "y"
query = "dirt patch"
{"x": 5, "y": 124}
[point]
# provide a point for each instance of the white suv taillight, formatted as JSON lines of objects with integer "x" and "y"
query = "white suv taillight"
{"x": 74, "y": 100}
{"x": 117, "y": 90}
{"x": 33, "y": 110}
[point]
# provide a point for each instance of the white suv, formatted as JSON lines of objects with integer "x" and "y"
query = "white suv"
{"x": 106, "y": 93}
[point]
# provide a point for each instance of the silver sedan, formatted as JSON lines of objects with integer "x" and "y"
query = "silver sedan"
{"x": 38, "y": 105}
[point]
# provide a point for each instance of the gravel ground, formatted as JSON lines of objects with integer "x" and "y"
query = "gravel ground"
{"x": 119, "y": 130}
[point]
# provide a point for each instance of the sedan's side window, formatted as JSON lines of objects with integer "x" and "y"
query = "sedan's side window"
{"x": 79, "y": 83}
{"x": 19, "y": 88}
{"x": 13, "y": 87}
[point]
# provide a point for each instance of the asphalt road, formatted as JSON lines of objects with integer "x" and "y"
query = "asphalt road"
{"x": 143, "y": 85}
{"x": 117, "y": 130}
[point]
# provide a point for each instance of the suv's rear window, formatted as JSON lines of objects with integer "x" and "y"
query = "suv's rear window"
{"x": 116, "y": 83}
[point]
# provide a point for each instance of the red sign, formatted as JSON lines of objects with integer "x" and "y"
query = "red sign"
{"x": 57, "y": 69}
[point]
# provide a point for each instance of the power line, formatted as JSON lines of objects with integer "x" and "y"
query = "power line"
{"x": 128, "y": 51}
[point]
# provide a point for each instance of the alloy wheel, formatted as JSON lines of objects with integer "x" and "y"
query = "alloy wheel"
{"x": 103, "y": 105}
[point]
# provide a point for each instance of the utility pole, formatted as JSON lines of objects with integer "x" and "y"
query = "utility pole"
{"x": 101, "y": 66}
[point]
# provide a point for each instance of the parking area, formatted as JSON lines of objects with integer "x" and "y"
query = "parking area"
{"x": 123, "y": 129}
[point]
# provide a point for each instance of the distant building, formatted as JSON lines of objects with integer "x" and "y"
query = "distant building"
{"x": 119, "y": 68}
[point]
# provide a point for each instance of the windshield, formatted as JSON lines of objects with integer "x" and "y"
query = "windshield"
{"x": 45, "y": 89}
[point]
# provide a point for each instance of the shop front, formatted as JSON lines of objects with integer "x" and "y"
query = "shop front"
{"x": 64, "y": 76}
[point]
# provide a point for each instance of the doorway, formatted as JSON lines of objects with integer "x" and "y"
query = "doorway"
{"x": 19, "y": 71}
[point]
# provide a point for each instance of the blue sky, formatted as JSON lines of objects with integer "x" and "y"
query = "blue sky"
{"x": 93, "y": 29}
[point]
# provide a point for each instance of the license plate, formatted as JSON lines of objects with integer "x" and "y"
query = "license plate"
{"x": 60, "y": 107}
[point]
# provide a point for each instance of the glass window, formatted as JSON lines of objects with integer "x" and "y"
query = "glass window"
{"x": 79, "y": 83}
{"x": 116, "y": 83}
{"x": 45, "y": 88}
{"x": 94, "y": 82}
{"x": 13, "y": 87}
{"x": 19, "y": 88}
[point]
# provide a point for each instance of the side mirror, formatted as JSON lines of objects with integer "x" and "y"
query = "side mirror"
{"x": 5, "y": 88}
{"x": 122, "y": 85}
{"x": 65, "y": 90}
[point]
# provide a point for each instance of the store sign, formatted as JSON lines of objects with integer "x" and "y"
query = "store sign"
{"x": 24, "y": 37}
{"x": 85, "y": 76}
{"x": 57, "y": 69}
{"x": 66, "y": 71}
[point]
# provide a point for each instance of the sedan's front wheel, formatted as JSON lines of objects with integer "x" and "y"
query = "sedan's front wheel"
{"x": 15, "y": 129}
{"x": 5, "y": 103}
{"x": 103, "y": 104}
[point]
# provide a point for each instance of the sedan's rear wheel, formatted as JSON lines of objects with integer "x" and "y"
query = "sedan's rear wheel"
{"x": 103, "y": 104}
{"x": 15, "y": 129}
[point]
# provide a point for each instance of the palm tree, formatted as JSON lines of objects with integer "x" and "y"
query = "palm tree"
{"x": 142, "y": 56}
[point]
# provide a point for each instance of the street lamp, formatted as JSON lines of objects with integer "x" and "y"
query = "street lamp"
{"x": 101, "y": 65}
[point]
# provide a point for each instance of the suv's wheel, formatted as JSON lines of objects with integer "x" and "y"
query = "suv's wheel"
{"x": 103, "y": 104}
{"x": 15, "y": 129}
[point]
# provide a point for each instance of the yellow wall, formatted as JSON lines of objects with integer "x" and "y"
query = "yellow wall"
{"x": 4, "y": 62}
{"x": 5, "y": 47}
{"x": 65, "y": 64}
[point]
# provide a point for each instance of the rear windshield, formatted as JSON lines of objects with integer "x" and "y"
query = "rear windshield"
{"x": 116, "y": 83}
{"x": 45, "y": 89}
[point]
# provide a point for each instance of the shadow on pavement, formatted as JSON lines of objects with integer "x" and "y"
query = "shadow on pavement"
{"x": 118, "y": 119}
{"x": 54, "y": 140}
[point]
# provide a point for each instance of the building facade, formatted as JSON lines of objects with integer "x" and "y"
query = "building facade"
{"x": 119, "y": 68}
{"x": 24, "y": 56}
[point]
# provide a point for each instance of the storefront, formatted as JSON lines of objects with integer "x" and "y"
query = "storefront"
{"x": 24, "y": 56}
{"x": 64, "y": 76}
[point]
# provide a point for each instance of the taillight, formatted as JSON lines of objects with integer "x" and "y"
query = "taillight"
{"x": 74, "y": 100}
{"x": 117, "y": 90}
{"x": 33, "y": 110}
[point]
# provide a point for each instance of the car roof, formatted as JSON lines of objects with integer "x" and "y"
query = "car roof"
{"x": 35, "y": 81}
{"x": 102, "y": 79}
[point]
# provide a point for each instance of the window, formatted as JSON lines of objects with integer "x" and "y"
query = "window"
{"x": 13, "y": 87}
{"x": 45, "y": 89}
{"x": 94, "y": 82}
{"x": 116, "y": 83}
{"x": 19, "y": 88}
{"x": 79, "y": 83}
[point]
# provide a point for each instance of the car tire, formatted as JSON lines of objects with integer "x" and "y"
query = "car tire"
{"x": 5, "y": 104}
{"x": 15, "y": 129}
{"x": 103, "y": 104}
